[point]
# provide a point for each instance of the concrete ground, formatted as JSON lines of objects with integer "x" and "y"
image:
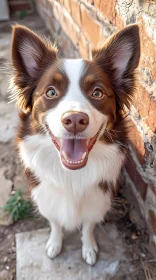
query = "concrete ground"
{"x": 124, "y": 253}
{"x": 112, "y": 260}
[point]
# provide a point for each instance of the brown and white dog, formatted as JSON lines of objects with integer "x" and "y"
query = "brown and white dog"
{"x": 72, "y": 133}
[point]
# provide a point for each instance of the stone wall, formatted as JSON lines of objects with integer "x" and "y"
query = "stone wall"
{"x": 87, "y": 24}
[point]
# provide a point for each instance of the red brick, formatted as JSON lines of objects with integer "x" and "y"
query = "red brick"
{"x": 70, "y": 28}
{"x": 148, "y": 53}
{"x": 83, "y": 47}
{"x": 67, "y": 5}
{"x": 108, "y": 9}
{"x": 146, "y": 106}
{"x": 152, "y": 219}
{"x": 136, "y": 177}
{"x": 75, "y": 11}
{"x": 136, "y": 141}
{"x": 97, "y": 3}
{"x": 152, "y": 115}
{"x": 91, "y": 27}
{"x": 74, "y": 34}
{"x": 118, "y": 21}
{"x": 56, "y": 10}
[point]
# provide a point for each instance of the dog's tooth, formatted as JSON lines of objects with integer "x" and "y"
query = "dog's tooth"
{"x": 84, "y": 155}
{"x": 70, "y": 162}
{"x": 65, "y": 156}
{"x": 79, "y": 161}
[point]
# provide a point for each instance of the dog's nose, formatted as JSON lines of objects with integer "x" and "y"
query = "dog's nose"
{"x": 75, "y": 121}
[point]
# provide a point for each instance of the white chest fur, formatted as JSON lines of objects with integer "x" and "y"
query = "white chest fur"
{"x": 71, "y": 196}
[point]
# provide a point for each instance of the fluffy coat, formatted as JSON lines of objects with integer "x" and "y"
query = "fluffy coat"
{"x": 72, "y": 186}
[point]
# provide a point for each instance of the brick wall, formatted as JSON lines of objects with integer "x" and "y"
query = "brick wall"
{"x": 87, "y": 23}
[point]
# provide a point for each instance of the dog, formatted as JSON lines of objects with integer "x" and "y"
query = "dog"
{"x": 72, "y": 133}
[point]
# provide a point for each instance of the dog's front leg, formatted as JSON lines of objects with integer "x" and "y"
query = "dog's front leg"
{"x": 54, "y": 244}
{"x": 89, "y": 245}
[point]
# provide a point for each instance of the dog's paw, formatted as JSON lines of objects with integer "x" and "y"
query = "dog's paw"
{"x": 89, "y": 254}
{"x": 53, "y": 249}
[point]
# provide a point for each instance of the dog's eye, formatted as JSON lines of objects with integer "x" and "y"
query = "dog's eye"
{"x": 97, "y": 94}
{"x": 51, "y": 93}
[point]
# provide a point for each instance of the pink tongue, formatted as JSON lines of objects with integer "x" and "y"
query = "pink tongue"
{"x": 74, "y": 148}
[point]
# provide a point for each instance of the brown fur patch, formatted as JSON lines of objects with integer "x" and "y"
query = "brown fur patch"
{"x": 31, "y": 179}
{"x": 109, "y": 187}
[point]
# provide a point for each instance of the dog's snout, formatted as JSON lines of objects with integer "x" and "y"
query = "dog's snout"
{"x": 75, "y": 121}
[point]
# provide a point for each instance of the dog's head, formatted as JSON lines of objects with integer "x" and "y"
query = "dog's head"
{"x": 74, "y": 100}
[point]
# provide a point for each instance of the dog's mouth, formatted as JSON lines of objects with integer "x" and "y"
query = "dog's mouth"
{"x": 74, "y": 151}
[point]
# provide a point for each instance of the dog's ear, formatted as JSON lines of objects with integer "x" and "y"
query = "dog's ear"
{"x": 118, "y": 58}
{"x": 30, "y": 55}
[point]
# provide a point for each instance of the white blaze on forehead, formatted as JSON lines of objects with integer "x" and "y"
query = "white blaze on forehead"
{"x": 74, "y": 69}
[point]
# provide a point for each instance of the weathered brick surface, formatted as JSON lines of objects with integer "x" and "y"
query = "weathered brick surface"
{"x": 70, "y": 28}
{"x": 67, "y": 5}
{"x": 135, "y": 176}
{"x": 91, "y": 27}
{"x": 97, "y": 3}
{"x": 145, "y": 105}
{"x": 83, "y": 47}
{"x": 136, "y": 141}
{"x": 75, "y": 11}
{"x": 148, "y": 58}
{"x": 152, "y": 218}
{"x": 108, "y": 10}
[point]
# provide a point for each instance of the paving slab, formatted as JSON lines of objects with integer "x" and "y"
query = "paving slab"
{"x": 33, "y": 264}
